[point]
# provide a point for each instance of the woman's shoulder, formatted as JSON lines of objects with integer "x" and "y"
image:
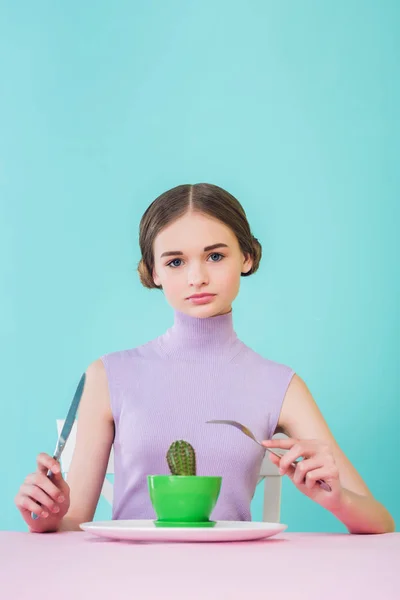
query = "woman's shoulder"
{"x": 258, "y": 359}
{"x": 147, "y": 351}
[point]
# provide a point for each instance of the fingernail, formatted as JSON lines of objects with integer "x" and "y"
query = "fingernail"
{"x": 56, "y": 509}
{"x": 45, "y": 514}
{"x": 60, "y": 499}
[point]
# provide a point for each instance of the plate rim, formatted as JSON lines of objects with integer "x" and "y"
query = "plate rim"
{"x": 256, "y": 526}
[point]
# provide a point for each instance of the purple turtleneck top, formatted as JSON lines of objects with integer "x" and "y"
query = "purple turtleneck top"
{"x": 167, "y": 389}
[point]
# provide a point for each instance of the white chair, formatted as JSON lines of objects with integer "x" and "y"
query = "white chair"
{"x": 272, "y": 487}
{"x": 268, "y": 472}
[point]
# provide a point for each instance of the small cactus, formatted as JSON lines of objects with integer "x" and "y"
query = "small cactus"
{"x": 181, "y": 458}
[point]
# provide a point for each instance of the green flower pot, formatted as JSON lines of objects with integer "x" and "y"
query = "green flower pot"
{"x": 183, "y": 500}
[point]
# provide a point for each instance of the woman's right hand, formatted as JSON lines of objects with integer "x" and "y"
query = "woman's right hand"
{"x": 46, "y": 497}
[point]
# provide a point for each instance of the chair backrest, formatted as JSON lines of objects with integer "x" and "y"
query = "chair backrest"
{"x": 268, "y": 473}
{"x": 272, "y": 487}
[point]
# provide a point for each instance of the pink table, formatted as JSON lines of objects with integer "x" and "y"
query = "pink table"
{"x": 291, "y": 566}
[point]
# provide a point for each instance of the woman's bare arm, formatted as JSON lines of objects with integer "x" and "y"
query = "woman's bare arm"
{"x": 310, "y": 437}
{"x": 95, "y": 434}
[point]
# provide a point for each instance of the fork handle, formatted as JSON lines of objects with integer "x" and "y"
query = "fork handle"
{"x": 325, "y": 486}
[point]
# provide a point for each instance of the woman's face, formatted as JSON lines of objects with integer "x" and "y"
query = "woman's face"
{"x": 198, "y": 262}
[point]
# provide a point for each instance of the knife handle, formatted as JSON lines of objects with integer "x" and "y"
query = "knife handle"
{"x": 34, "y": 516}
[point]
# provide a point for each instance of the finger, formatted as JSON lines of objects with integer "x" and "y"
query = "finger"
{"x": 277, "y": 461}
{"x": 303, "y": 467}
{"x": 39, "y": 496}
{"x": 285, "y": 443}
{"x": 274, "y": 459}
{"x": 57, "y": 476}
{"x": 46, "y": 462}
{"x": 26, "y": 504}
{"x": 289, "y": 472}
{"x": 305, "y": 449}
{"x": 326, "y": 473}
{"x": 47, "y": 485}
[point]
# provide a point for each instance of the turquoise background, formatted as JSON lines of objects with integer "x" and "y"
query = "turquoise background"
{"x": 294, "y": 108}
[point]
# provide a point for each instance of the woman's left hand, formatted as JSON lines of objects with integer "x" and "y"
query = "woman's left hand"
{"x": 318, "y": 463}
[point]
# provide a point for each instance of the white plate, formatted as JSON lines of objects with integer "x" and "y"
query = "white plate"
{"x": 223, "y": 531}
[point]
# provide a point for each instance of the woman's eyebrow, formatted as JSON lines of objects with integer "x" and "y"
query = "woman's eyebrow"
{"x": 206, "y": 249}
{"x": 214, "y": 246}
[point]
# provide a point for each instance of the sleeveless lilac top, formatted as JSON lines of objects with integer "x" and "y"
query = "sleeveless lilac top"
{"x": 167, "y": 389}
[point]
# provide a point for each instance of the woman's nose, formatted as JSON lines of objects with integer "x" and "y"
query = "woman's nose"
{"x": 197, "y": 275}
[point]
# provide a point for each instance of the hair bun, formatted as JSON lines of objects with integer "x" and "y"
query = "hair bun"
{"x": 256, "y": 253}
{"x": 145, "y": 276}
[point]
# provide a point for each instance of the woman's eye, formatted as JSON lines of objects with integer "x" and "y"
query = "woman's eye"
{"x": 175, "y": 263}
{"x": 216, "y": 257}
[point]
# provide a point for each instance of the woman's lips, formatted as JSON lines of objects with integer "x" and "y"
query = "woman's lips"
{"x": 201, "y": 298}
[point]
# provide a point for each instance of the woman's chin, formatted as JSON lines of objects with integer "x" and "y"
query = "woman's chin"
{"x": 206, "y": 310}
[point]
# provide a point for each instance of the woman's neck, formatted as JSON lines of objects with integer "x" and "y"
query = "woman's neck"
{"x": 195, "y": 336}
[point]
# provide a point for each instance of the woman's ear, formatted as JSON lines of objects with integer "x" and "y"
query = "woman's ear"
{"x": 247, "y": 263}
{"x": 156, "y": 278}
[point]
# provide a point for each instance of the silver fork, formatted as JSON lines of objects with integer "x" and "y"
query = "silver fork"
{"x": 325, "y": 486}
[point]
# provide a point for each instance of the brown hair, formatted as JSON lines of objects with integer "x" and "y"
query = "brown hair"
{"x": 204, "y": 198}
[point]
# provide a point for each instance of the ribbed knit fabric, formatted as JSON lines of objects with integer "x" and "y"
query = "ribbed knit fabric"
{"x": 167, "y": 389}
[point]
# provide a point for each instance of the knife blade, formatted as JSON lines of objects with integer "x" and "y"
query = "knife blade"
{"x": 68, "y": 424}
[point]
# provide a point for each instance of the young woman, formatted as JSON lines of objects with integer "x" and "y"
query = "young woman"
{"x": 196, "y": 244}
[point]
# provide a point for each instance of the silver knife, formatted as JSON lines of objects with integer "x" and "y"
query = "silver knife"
{"x": 68, "y": 423}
